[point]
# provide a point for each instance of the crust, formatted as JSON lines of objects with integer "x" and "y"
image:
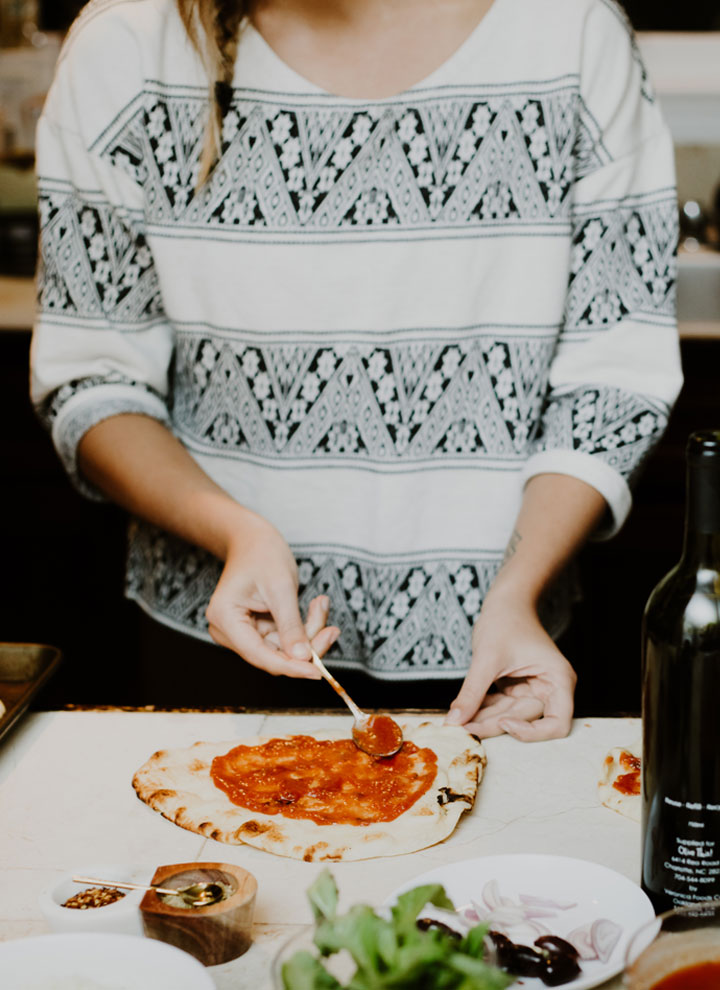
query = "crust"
{"x": 177, "y": 784}
{"x": 624, "y": 804}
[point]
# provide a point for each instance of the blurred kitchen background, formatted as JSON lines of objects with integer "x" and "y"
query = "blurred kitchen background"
{"x": 62, "y": 559}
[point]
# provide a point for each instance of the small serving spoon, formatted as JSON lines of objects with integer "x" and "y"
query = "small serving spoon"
{"x": 195, "y": 894}
{"x": 376, "y": 735}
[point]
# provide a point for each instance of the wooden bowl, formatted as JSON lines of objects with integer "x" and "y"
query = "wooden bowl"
{"x": 215, "y": 933}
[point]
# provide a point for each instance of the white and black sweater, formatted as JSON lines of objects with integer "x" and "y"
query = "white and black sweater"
{"x": 379, "y": 318}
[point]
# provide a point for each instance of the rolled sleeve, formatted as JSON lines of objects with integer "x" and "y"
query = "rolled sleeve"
{"x": 102, "y": 344}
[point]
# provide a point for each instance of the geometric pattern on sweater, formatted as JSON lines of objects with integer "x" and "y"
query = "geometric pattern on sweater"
{"x": 623, "y": 262}
{"x": 49, "y": 410}
{"x": 405, "y": 402}
{"x": 617, "y": 426}
{"x": 408, "y": 402}
{"x": 323, "y": 420}
{"x": 396, "y": 618}
{"x": 446, "y": 161}
{"x": 110, "y": 274}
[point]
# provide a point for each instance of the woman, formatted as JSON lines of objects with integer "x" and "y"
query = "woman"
{"x": 377, "y": 335}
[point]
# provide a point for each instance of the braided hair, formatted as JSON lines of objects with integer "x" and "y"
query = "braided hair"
{"x": 213, "y": 27}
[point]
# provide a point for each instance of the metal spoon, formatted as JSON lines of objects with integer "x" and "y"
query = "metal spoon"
{"x": 377, "y": 735}
{"x": 195, "y": 894}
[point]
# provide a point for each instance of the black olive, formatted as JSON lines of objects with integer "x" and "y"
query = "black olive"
{"x": 556, "y": 944}
{"x": 504, "y": 949}
{"x": 525, "y": 961}
{"x": 425, "y": 924}
{"x": 559, "y": 969}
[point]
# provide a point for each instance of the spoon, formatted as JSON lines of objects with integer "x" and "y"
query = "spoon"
{"x": 376, "y": 735}
{"x": 195, "y": 894}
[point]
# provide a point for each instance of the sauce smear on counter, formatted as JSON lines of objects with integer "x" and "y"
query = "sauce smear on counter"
{"x": 628, "y": 783}
{"x": 702, "y": 976}
{"x": 329, "y": 782}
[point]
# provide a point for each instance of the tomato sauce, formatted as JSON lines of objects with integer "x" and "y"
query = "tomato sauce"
{"x": 702, "y": 976}
{"x": 628, "y": 761}
{"x": 381, "y": 735}
{"x": 329, "y": 782}
{"x": 628, "y": 783}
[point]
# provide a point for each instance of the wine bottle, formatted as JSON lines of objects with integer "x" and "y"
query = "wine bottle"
{"x": 681, "y": 701}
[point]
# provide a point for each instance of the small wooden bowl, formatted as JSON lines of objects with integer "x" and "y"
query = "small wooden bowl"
{"x": 215, "y": 933}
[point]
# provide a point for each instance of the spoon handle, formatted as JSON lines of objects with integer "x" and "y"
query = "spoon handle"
{"x": 129, "y": 886}
{"x": 360, "y": 715}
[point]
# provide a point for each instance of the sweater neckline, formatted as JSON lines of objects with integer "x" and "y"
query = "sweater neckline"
{"x": 441, "y": 75}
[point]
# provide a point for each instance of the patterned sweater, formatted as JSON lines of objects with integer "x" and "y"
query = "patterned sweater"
{"x": 378, "y": 318}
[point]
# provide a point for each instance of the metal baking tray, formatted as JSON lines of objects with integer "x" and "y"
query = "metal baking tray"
{"x": 24, "y": 669}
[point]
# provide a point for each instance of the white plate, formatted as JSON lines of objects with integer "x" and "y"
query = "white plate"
{"x": 99, "y": 962}
{"x": 593, "y": 890}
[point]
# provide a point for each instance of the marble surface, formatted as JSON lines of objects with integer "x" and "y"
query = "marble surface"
{"x": 66, "y": 803}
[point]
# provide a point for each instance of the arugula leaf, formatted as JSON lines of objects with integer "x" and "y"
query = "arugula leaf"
{"x": 303, "y": 971}
{"x": 323, "y": 896}
{"x": 357, "y": 932}
{"x": 388, "y": 945}
{"x": 417, "y": 960}
{"x": 473, "y": 944}
{"x": 391, "y": 953}
{"x": 410, "y": 904}
{"x": 481, "y": 974}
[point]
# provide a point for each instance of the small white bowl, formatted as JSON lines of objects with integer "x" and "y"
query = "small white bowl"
{"x": 122, "y": 917}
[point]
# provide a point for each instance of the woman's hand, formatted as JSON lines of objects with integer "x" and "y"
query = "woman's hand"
{"x": 534, "y": 683}
{"x": 254, "y": 609}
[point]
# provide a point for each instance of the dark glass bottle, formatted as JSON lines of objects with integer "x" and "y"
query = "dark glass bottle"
{"x": 681, "y": 701}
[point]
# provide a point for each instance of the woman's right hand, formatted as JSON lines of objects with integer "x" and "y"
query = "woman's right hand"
{"x": 254, "y": 608}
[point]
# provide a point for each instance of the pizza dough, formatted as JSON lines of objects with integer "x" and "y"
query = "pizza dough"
{"x": 178, "y": 784}
{"x": 619, "y": 786}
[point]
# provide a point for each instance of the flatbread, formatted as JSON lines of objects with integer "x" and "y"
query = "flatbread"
{"x": 178, "y": 784}
{"x": 619, "y": 785}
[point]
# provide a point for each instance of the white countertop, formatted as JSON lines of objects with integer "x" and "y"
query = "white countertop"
{"x": 66, "y": 802}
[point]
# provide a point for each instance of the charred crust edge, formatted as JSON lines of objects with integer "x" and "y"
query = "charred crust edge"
{"x": 446, "y": 796}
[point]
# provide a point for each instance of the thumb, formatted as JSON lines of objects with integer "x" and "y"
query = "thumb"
{"x": 291, "y": 629}
{"x": 471, "y": 696}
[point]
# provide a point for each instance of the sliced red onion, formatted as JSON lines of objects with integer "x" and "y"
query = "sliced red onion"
{"x": 546, "y": 902}
{"x": 581, "y": 938}
{"x": 509, "y": 915}
{"x": 519, "y": 921}
{"x": 492, "y": 897}
{"x": 480, "y": 910}
{"x": 604, "y": 935}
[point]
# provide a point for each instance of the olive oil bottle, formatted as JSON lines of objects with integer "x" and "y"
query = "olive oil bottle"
{"x": 681, "y": 701}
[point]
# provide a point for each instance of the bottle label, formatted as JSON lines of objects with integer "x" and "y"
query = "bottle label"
{"x": 693, "y": 852}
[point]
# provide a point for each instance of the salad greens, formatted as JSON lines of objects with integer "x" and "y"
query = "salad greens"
{"x": 391, "y": 953}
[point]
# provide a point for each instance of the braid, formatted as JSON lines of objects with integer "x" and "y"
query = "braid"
{"x": 213, "y": 26}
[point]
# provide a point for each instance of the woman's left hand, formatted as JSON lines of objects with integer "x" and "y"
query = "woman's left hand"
{"x": 534, "y": 683}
